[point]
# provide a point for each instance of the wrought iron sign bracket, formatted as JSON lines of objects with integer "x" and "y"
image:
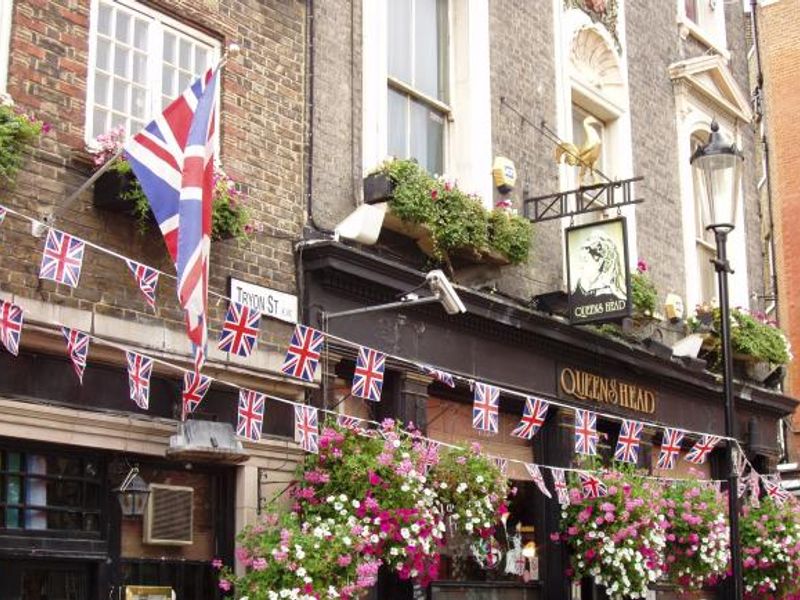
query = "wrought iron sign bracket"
{"x": 586, "y": 199}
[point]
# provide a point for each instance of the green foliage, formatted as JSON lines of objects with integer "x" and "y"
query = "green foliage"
{"x": 644, "y": 294}
{"x": 750, "y": 336}
{"x": 456, "y": 220}
{"x": 17, "y": 131}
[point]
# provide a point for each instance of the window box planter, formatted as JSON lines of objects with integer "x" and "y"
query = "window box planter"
{"x": 379, "y": 187}
{"x": 109, "y": 189}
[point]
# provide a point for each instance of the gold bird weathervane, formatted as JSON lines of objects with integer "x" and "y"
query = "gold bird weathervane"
{"x": 585, "y": 156}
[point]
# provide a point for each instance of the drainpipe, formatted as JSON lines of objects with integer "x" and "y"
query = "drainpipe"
{"x": 759, "y": 94}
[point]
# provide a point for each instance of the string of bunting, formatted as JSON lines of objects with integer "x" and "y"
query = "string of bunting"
{"x": 62, "y": 261}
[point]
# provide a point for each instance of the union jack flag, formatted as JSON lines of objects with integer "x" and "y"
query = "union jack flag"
{"x": 700, "y": 451}
{"x": 240, "y": 330}
{"x": 10, "y": 326}
{"x": 306, "y": 428}
{"x": 485, "y": 406}
{"x": 586, "y": 432}
{"x": 592, "y": 487}
{"x": 62, "y": 258}
{"x": 77, "y": 348}
{"x": 368, "y": 376}
{"x": 146, "y": 279}
{"x": 139, "y": 370}
{"x": 560, "y": 485}
{"x": 536, "y": 475}
{"x": 2, "y": 215}
{"x": 251, "y": 414}
{"x": 348, "y": 422}
{"x": 628, "y": 441}
{"x": 439, "y": 375}
{"x": 303, "y": 354}
{"x": 755, "y": 490}
{"x": 670, "y": 448}
{"x": 195, "y": 387}
{"x": 776, "y": 492}
{"x": 501, "y": 464}
{"x": 532, "y": 418}
{"x": 172, "y": 157}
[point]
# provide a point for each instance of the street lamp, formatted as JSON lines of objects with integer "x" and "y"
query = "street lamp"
{"x": 718, "y": 171}
{"x": 132, "y": 494}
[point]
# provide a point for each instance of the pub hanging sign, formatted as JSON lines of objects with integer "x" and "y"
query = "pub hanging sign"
{"x": 597, "y": 272}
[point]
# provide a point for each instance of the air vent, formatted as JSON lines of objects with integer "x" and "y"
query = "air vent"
{"x": 168, "y": 519}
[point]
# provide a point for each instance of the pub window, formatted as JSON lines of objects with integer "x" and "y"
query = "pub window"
{"x": 49, "y": 492}
{"x": 418, "y": 109}
{"x": 139, "y": 61}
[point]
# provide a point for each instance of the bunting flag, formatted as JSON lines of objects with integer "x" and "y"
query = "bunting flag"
{"x": 62, "y": 258}
{"x": 501, "y": 464}
{"x": 195, "y": 387}
{"x": 560, "y": 486}
{"x": 250, "y": 414}
{"x": 348, "y": 422}
{"x": 628, "y": 441}
{"x": 439, "y": 375}
{"x": 586, "y": 432}
{"x": 10, "y": 326}
{"x": 592, "y": 486}
{"x": 2, "y": 215}
{"x": 700, "y": 451}
{"x": 670, "y": 448}
{"x": 485, "y": 406}
{"x": 368, "y": 376}
{"x": 776, "y": 492}
{"x": 538, "y": 479}
{"x": 306, "y": 428}
{"x": 146, "y": 279}
{"x": 755, "y": 490}
{"x": 532, "y": 418}
{"x": 303, "y": 353}
{"x": 77, "y": 349}
{"x": 239, "y": 333}
{"x": 139, "y": 370}
{"x": 173, "y": 159}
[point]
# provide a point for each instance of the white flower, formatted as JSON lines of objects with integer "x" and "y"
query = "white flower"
{"x": 301, "y": 572}
{"x": 479, "y": 479}
{"x": 342, "y": 498}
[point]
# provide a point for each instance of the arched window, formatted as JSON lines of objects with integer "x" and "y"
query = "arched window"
{"x": 704, "y": 239}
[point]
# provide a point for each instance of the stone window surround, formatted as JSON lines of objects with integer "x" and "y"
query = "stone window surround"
{"x": 468, "y": 139}
{"x": 711, "y": 34}
{"x": 572, "y": 87}
{"x": 154, "y": 85}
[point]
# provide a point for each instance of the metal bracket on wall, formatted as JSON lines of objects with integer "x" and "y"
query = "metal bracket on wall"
{"x": 586, "y": 199}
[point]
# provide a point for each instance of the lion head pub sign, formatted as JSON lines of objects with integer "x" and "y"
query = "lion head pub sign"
{"x": 597, "y": 272}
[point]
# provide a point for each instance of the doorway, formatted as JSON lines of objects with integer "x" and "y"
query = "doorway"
{"x": 46, "y": 580}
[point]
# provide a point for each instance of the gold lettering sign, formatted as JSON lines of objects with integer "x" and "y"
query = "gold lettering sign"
{"x": 588, "y": 386}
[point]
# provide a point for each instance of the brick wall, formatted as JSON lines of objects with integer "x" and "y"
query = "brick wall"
{"x": 779, "y": 25}
{"x": 262, "y": 146}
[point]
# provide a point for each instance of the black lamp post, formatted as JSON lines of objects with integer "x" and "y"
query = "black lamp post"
{"x": 718, "y": 171}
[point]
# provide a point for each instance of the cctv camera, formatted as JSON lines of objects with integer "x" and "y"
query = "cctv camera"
{"x": 445, "y": 292}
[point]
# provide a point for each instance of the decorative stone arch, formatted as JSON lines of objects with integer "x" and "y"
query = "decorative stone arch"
{"x": 595, "y": 65}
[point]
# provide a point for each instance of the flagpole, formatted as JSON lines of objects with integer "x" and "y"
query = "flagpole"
{"x": 50, "y": 219}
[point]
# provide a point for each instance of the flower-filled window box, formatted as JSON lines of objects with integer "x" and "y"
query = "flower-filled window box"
{"x": 448, "y": 224}
{"x": 759, "y": 347}
{"x": 118, "y": 190}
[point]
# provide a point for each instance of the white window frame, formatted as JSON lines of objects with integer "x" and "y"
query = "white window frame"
{"x": 6, "y": 12}
{"x": 160, "y": 21}
{"x": 709, "y": 29}
{"x": 468, "y": 136}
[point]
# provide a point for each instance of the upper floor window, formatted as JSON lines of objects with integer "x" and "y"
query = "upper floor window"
{"x": 417, "y": 54}
{"x": 704, "y": 238}
{"x": 705, "y": 21}
{"x": 140, "y": 60}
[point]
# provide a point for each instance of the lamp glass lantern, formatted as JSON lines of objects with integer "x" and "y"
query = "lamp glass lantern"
{"x": 717, "y": 169}
{"x": 132, "y": 495}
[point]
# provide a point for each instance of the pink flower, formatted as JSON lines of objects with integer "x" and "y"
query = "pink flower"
{"x": 259, "y": 564}
{"x": 641, "y": 266}
{"x": 216, "y": 563}
{"x": 554, "y": 537}
{"x": 344, "y": 560}
{"x": 225, "y": 585}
